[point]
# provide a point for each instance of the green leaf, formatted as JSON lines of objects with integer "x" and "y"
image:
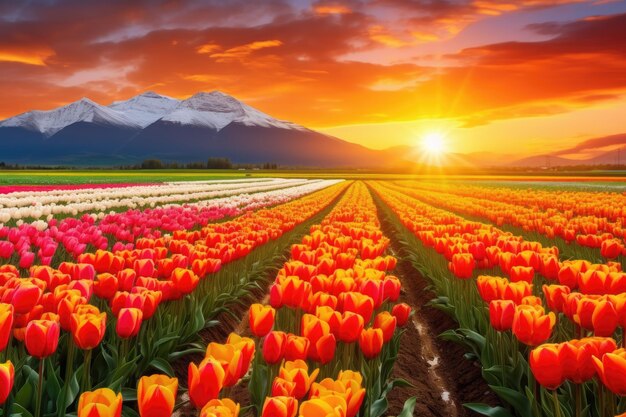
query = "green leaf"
{"x": 409, "y": 407}
{"x": 518, "y": 401}
{"x": 20, "y": 410}
{"x": 379, "y": 407}
{"x": 162, "y": 365}
{"x": 487, "y": 410}
{"x": 129, "y": 394}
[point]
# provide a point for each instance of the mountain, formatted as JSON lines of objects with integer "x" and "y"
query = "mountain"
{"x": 154, "y": 126}
{"x": 451, "y": 159}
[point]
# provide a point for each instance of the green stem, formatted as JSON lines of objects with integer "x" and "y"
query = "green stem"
{"x": 86, "y": 382}
{"x": 577, "y": 393}
{"x": 39, "y": 389}
{"x": 557, "y": 404}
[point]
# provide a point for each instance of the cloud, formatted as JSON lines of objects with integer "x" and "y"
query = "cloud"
{"x": 594, "y": 144}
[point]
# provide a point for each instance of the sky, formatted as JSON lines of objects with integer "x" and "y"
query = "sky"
{"x": 489, "y": 76}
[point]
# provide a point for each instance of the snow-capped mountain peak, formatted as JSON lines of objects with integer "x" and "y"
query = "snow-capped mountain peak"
{"x": 146, "y": 108}
{"x": 50, "y": 122}
{"x": 217, "y": 110}
{"x": 214, "y": 110}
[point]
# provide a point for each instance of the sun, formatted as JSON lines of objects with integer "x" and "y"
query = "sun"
{"x": 433, "y": 143}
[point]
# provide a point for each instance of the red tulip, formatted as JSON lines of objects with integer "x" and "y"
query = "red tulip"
{"x": 274, "y": 347}
{"x": 501, "y": 313}
{"x": 128, "y": 322}
{"x": 401, "y": 312}
{"x": 371, "y": 342}
{"x": 42, "y": 338}
{"x": 261, "y": 319}
{"x": 7, "y": 378}
{"x": 546, "y": 365}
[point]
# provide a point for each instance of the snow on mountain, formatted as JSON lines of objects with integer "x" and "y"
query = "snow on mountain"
{"x": 214, "y": 110}
{"x": 217, "y": 110}
{"x": 84, "y": 110}
{"x": 146, "y": 108}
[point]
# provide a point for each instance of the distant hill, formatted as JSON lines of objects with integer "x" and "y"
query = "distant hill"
{"x": 155, "y": 126}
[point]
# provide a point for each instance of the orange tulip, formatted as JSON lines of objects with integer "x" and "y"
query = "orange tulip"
{"x": 88, "y": 329}
{"x": 531, "y": 325}
{"x": 350, "y": 327}
{"x": 261, "y": 319}
{"x": 156, "y": 395}
{"x": 323, "y": 350}
{"x": 357, "y": 303}
{"x": 546, "y": 365}
{"x": 296, "y": 347}
{"x": 232, "y": 360}
{"x": 298, "y": 373}
{"x": 611, "y": 368}
{"x": 501, "y": 313}
{"x": 347, "y": 386}
{"x": 282, "y": 387}
{"x": 205, "y": 381}
{"x": 7, "y": 377}
{"x": 329, "y": 406}
{"x": 42, "y": 338}
{"x": 274, "y": 347}
{"x": 387, "y": 323}
{"x": 128, "y": 322}
{"x": 555, "y": 296}
{"x": 371, "y": 342}
{"x": 184, "y": 280}
{"x": 6, "y": 324}
{"x": 522, "y": 273}
{"x": 280, "y": 407}
{"x": 462, "y": 265}
{"x": 220, "y": 408}
{"x": 576, "y": 356}
{"x": 102, "y": 402}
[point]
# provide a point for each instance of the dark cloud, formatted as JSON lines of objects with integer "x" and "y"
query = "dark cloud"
{"x": 595, "y": 143}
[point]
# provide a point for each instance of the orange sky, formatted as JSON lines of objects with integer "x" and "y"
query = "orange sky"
{"x": 521, "y": 77}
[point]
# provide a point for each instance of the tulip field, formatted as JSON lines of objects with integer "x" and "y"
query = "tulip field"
{"x": 285, "y": 297}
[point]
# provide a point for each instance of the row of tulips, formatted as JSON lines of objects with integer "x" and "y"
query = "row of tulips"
{"x": 497, "y": 314}
{"x": 326, "y": 343}
{"x": 593, "y": 220}
{"x": 330, "y": 334}
{"x": 51, "y": 242}
{"x": 107, "y": 319}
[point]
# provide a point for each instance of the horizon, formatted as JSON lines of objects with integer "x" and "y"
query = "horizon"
{"x": 551, "y": 82}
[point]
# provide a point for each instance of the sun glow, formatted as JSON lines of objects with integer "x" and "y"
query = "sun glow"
{"x": 433, "y": 143}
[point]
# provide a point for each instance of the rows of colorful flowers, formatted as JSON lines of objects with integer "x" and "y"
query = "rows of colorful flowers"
{"x": 591, "y": 219}
{"x": 56, "y": 240}
{"x": 73, "y": 335}
{"x": 511, "y": 297}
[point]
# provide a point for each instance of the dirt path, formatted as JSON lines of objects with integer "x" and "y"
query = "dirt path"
{"x": 443, "y": 378}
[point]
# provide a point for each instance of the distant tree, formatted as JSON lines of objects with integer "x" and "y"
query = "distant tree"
{"x": 152, "y": 164}
{"x": 219, "y": 163}
{"x": 195, "y": 165}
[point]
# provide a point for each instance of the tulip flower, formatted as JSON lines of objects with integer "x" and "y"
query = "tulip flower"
{"x": 42, "y": 338}
{"x": 274, "y": 347}
{"x": 102, "y": 402}
{"x": 6, "y": 324}
{"x": 128, "y": 322}
{"x": 298, "y": 373}
{"x": 387, "y": 323}
{"x": 462, "y": 265}
{"x": 25, "y": 297}
{"x": 350, "y": 327}
{"x": 401, "y": 312}
{"x": 205, "y": 381}
{"x": 330, "y": 406}
{"x": 261, "y": 319}
{"x": 7, "y": 377}
{"x": 501, "y": 313}
{"x": 156, "y": 395}
{"x": 184, "y": 280}
{"x": 280, "y": 407}
{"x": 576, "y": 356}
{"x": 371, "y": 342}
{"x": 531, "y": 325}
{"x": 232, "y": 360}
{"x": 547, "y": 366}
{"x": 611, "y": 369}
{"x": 220, "y": 408}
{"x": 88, "y": 329}
{"x": 296, "y": 347}
{"x": 282, "y": 387}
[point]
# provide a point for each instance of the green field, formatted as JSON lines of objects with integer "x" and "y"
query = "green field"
{"x": 591, "y": 179}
